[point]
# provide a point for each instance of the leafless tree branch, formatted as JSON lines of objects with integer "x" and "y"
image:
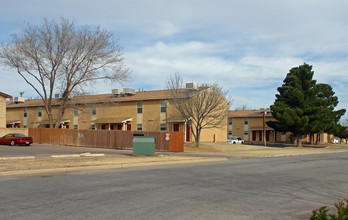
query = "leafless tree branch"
{"x": 65, "y": 57}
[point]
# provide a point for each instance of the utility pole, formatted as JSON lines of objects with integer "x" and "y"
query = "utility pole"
{"x": 264, "y": 111}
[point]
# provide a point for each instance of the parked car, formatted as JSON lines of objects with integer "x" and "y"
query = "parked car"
{"x": 15, "y": 138}
{"x": 335, "y": 140}
{"x": 235, "y": 140}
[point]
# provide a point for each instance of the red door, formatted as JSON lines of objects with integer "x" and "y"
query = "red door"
{"x": 112, "y": 127}
{"x": 176, "y": 127}
{"x": 103, "y": 127}
{"x": 260, "y": 136}
{"x": 187, "y": 133}
{"x": 254, "y": 135}
{"x": 267, "y": 135}
{"x": 129, "y": 127}
{"x": 119, "y": 127}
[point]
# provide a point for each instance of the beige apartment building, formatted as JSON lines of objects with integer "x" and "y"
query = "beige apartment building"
{"x": 249, "y": 125}
{"x": 3, "y": 98}
{"x": 123, "y": 109}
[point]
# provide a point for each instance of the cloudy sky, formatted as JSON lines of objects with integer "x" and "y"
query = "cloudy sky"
{"x": 246, "y": 46}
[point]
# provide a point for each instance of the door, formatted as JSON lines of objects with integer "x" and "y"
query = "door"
{"x": 103, "y": 127}
{"x": 267, "y": 135}
{"x": 119, "y": 127}
{"x": 254, "y": 136}
{"x": 112, "y": 127}
{"x": 129, "y": 127}
{"x": 176, "y": 127}
{"x": 187, "y": 133}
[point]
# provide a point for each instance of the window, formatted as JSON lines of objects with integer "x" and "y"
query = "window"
{"x": 93, "y": 126}
{"x": 24, "y": 126}
{"x": 139, "y": 127}
{"x": 229, "y": 132}
{"x": 76, "y": 110}
{"x": 230, "y": 121}
{"x": 94, "y": 109}
{"x": 163, "y": 127}
{"x": 139, "y": 107}
{"x": 75, "y": 127}
{"x": 245, "y": 132}
{"x": 163, "y": 106}
{"x": 245, "y": 121}
{"x": 25, "y": 112}
{"x": 39, "y": 112}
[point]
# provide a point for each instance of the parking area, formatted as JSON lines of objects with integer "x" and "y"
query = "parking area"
{"x": 47, "y": 150}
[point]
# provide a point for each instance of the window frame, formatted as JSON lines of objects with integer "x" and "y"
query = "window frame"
{"x": 163, "y": 106}
{"x": 163, "y": 127}
{"x": 94, "y": 109}
{"x": 139, "y": 107}
{"x": 39, "y": 112}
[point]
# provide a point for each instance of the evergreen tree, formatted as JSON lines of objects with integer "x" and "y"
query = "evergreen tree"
{"x": 329, "y": 118}
{"x": 302, "y": 106}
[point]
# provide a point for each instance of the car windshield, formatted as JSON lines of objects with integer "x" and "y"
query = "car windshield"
{"x": 19, "y": 135}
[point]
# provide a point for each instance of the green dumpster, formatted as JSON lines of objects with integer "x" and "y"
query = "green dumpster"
{"x": 144, "y": 145}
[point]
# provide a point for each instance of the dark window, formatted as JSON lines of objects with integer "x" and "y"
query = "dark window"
{"x": 163, "y": 127}
{"x": 76, "y": 110}
{"x": 93, "y": 126}
{"x": 245, "y": 121}
{"x": 230, "y": 121}
{"x": 75, "y": 127}
{"x": 39, "y": 112}
{"x": 163, "y": 106}
{"x": 139, "y": 107}
{"x": 245, "y": 133}
{"x": 94, "y": 109}
{"x": 139, "y": 127}
{"x": 25, "y": 112}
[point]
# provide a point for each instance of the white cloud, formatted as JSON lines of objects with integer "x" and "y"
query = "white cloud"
{"x": 246, "y": 45}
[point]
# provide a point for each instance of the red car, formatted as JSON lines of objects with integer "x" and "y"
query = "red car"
{"x": 14, "y": 138}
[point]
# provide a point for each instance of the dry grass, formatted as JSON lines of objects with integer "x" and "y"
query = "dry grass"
{"x": 255, "y": 150}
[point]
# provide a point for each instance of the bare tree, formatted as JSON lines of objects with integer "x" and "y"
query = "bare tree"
{"x": 205, "y": 107}
{"x": 62, "y": 57}
{"x": 242, "y": 107}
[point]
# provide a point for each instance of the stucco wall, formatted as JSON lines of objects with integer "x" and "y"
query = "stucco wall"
{"x": 4, "y": 131}
{"x": 2, "y": 112}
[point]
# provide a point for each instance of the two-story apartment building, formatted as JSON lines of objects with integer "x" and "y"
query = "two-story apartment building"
{"x": 3, "y": 97}
{"x": 123, "y": 109}
{"x": 249, "y": 125}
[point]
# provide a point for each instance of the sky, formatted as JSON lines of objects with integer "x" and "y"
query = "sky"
{"x": 246, "y": 46}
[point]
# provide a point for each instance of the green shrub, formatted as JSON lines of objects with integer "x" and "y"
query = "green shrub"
{"x": 323, "y": 212}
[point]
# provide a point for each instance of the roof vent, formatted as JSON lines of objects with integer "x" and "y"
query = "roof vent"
{"x": 17, "y": 100}
{"x": 192, "y": 86}
{"x": 60, "y": 96}
{"x": 117, "y": 91}
{"x": 128, "y": 91}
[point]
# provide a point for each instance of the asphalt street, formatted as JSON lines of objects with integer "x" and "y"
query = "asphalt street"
{"x": 264, "y": 188}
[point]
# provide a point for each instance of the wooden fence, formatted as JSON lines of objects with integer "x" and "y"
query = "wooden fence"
{"x": 105, "y": 138}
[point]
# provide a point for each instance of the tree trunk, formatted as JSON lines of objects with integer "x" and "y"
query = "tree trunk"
{"x": 299, "y": 140}
{"x": 198, "y": 134}
{"x": 317, "y": 139}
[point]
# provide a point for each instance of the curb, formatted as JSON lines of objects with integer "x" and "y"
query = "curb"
{"x": 17, "y": 158}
